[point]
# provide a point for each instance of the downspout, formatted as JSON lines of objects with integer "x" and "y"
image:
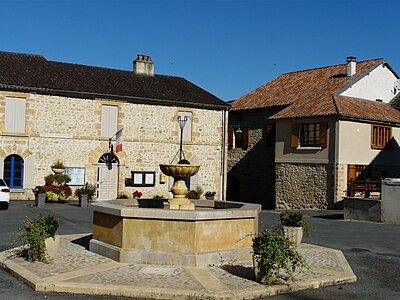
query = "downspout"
{"x": 223, "y": 156}
{"x": 336, "y": 150}
{"x": 335, "y": 161}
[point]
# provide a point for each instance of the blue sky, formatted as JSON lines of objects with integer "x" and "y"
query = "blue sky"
{"x": 227, "y": 47}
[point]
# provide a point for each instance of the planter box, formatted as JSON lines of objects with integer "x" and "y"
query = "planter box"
{"x": 40, "y": 200}
{"x": 52, "y": 246}
{"x": 83, "y": 200}
{"x": 294, "y": 234}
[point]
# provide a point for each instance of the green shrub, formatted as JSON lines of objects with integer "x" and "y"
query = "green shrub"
{"x": 276, "y": 252}
{"x": 33, "y": 234}
{"x": 294, "y": 219}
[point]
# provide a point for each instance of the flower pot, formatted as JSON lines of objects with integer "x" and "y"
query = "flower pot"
{"x": 52, "y": 246}
{"x": 58, "y": 170}
{"x": 209, "y": 197}
{"x": 294, "y": 234}
{"x": 40, "y": 200}
{"x": 83, "y": 200}
{"x": 263, "y": 275}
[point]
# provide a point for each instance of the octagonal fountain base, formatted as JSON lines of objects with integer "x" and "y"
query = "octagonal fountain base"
{"x": 215, "y": 233}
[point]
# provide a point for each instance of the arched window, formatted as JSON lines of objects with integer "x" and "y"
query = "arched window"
{"x": 14, "y": 171}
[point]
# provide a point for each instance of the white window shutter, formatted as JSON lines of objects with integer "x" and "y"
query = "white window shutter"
{"x": 15, "y": 115}
{"x": 1, "y": 166}
{"x": 187, "y": 130}
{"x": 29, "y": 168}
{"x": 109, "y": 120}
{"x": 19, "y": 123}
{"x": 10, "y": 115}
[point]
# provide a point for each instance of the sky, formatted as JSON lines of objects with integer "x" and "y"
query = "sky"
{"x": 227, "y": 47}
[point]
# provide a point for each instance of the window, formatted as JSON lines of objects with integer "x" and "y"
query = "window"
{"x": 143, "y": 178}
{"x": 13, "y": 171}
{"x": 187, "y": 129}
{"x": 381, "y": 137}
{"x": 307, "y": 135}
{"x": 238, "y": 138}
{"x": 15, "y": 115}
{"x": 109, "y": 120}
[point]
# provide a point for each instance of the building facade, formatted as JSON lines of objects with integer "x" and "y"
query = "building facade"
{"x": 55, "y": 111}
{"x": 321, "y": 128}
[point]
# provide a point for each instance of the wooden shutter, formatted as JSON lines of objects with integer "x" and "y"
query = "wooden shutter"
{"x": 270, "y": 135}
{"x": 245, "y": 143}
{"x": 294, "y": 140}
{"x": 29, "y": 169}
{"x": 230, "y": 138}
{"x": 323, "y": 134}
{"x": 109, "y": 120}
{"x": 15, "y": 115}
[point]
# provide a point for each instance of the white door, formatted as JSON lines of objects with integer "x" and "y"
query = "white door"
{"x": 107, "y": 182}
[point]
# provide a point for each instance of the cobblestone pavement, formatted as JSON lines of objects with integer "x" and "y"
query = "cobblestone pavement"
{"x": 77, "y": 270}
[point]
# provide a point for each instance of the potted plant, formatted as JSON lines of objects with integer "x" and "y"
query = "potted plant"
{"x": 39, "y": 238}
{"x": 58, "y": 167}
{"x": 209, "y": 195}
{"x": 194, "y": 194}
{"x": 137, "y": 194}
{"x": 294, "y": 226}
{"x": 40, "y": 196}
{"x": 122, "y": 196}
{"x": 272, "y": 252}
{"x": 82, "y": 195}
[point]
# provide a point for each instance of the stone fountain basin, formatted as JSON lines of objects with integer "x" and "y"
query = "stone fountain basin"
{"x": 179, "y": 170}
{"x": 216, "y": 232}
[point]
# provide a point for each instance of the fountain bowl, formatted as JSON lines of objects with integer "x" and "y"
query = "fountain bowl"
{"x": 179, "y": 170}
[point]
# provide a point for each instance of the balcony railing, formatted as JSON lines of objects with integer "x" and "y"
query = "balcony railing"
{"x": 363, "y": 188}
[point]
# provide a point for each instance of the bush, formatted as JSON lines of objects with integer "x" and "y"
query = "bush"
{"x": 33, "y": 234}
{"x": 57, "y": 178}
{"x": 276, "y": 252}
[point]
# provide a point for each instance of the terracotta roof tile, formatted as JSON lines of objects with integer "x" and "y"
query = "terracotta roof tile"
{"x": 307, "y": 93}
{"x": 396, "y": 102}
{"x": 366, "y": 109}
{"x": 35, "y": 73}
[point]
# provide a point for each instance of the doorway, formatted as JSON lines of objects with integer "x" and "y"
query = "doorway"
{"x": 107, "y": 177}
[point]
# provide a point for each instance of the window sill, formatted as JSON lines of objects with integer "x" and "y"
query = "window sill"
{"x": 308, "y": 148}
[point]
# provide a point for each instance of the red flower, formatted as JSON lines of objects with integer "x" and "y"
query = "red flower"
{"x": 137, "y": 194}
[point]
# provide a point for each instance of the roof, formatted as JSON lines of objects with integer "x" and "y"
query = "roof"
{"x": 34, "y": 73}
{"x": 395, "y": 102}
{"x": 311, "y": 93}
{"x": 367, "y": 110}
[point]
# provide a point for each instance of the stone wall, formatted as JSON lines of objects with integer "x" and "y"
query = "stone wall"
{"x": 251, "y": 172}
{"x": 69, "y": 129}
{"x": 302, "y": 186}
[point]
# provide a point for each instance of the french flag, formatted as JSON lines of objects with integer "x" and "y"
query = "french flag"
{"x": 119, "y": 141}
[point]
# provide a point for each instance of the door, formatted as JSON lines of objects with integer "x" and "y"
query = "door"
{"x": 107, "y": 182}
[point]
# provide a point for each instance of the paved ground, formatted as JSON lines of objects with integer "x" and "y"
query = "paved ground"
{"x": 372, "y": 250}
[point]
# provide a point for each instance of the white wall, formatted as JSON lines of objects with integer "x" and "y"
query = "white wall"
{"x": 355, "y": 145}
{"x": 377, "y": 85}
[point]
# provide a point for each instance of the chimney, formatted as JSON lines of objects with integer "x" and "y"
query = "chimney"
{"x": 351, "y": 65}
{"x": 143, "y": 65}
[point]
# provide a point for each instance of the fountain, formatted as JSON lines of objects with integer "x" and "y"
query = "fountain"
{"x": 179, "y": 172}
{"x": 180, "y": 232}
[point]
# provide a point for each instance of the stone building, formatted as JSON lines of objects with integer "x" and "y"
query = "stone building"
{"x": 52, "y": 110}
{"x": 297, "y": 141}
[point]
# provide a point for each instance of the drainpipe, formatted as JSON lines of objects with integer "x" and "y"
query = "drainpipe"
{"x": 335, "y": 161}
{"x": 223, "y": 155}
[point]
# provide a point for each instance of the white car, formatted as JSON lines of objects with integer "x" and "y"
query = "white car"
{"x": 4, "y": 195}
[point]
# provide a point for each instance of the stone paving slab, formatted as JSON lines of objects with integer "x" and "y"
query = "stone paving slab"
{"x": 76, "y": 270}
